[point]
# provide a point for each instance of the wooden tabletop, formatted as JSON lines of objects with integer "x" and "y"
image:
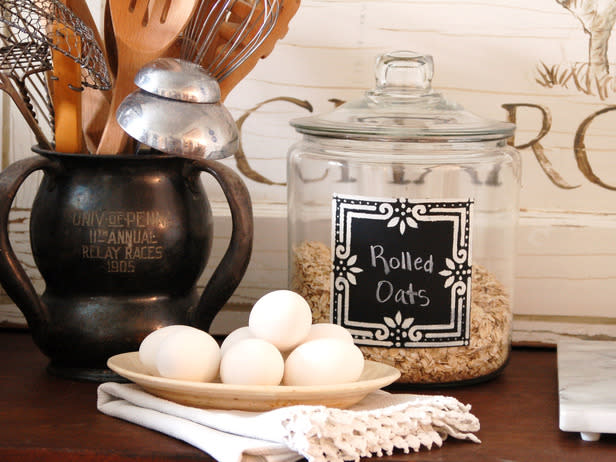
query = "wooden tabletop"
{"x": 44, "y": 418}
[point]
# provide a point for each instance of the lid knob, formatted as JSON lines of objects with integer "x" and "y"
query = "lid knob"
{"x": 404, "y": 69}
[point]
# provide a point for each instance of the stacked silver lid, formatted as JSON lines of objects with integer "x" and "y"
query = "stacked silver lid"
{"x": 177, "y": 110}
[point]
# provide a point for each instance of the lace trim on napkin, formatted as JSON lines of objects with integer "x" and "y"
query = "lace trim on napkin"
{"x": 324, "y": 434}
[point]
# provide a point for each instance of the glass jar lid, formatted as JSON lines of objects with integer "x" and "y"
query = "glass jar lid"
{"x": 403, "y": 107}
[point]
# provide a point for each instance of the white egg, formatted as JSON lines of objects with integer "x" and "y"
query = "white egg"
{"x": 324, "y": 361}
{"x": 235, "y": 336}
{"x": 328, "y": 330}
{"x": 188, "y": 355}
{"x": 252, "y": 361}
{"x": 151, "y": 343}
{"x": 282, "y": 317}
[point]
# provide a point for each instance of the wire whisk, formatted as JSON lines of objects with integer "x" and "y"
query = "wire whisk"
{"x": 224, "y": 33}
{"x": 43, "y": 25}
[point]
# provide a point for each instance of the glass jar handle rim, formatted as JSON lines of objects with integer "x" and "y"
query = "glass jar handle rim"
{"x": 406, "y": 71}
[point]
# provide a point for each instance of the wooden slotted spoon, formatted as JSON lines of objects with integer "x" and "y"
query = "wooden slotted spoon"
{"x": 144, "y": 30}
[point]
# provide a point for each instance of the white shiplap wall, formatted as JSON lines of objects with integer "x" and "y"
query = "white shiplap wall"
{"x": 486, "y": 54}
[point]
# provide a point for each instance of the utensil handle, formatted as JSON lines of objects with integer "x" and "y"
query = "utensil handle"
{"x": 13, "y": 277}
{"x": 7, "y": 86}
{"x": 232, "y": 267}
{"x": 66, "y": 94}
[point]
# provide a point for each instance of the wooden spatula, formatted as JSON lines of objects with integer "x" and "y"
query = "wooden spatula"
{"x": 144, "y": 30}
{"x": 95, "y": 102}
{"x": 66, "y": 92}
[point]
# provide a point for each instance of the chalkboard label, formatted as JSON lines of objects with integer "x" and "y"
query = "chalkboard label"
{"x": 402, "y": 270}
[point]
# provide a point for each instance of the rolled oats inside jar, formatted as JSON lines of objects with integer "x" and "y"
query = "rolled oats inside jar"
{"x": 490, "y": 324}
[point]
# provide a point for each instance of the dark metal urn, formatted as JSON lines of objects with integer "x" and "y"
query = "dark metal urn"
{"x": 120, "y": 242}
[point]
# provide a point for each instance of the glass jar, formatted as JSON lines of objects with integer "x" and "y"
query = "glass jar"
{"x": 402, "y": 216}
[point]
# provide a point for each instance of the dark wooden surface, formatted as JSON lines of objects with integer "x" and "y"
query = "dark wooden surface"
{"x": 43, "y": 418}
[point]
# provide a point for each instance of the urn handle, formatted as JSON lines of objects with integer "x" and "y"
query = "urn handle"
{"x": 13, "y": 277}
{"x": 232, "y": 267}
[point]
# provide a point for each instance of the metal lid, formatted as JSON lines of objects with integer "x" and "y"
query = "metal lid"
{"x": 403, "y": 107}
{"x": 178, "y": 79}
{"x": 179, "y": 127}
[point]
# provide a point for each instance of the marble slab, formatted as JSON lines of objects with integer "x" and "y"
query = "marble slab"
{"x": 587, "y": 387}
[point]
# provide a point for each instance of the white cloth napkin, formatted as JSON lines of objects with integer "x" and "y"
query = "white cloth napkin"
{"x": 377, "y": 425}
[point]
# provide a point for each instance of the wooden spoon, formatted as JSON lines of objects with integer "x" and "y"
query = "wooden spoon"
{"x": 81, "y": 10}
{"x": 144, "y": 30}
{"x": 110, "y": 42}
